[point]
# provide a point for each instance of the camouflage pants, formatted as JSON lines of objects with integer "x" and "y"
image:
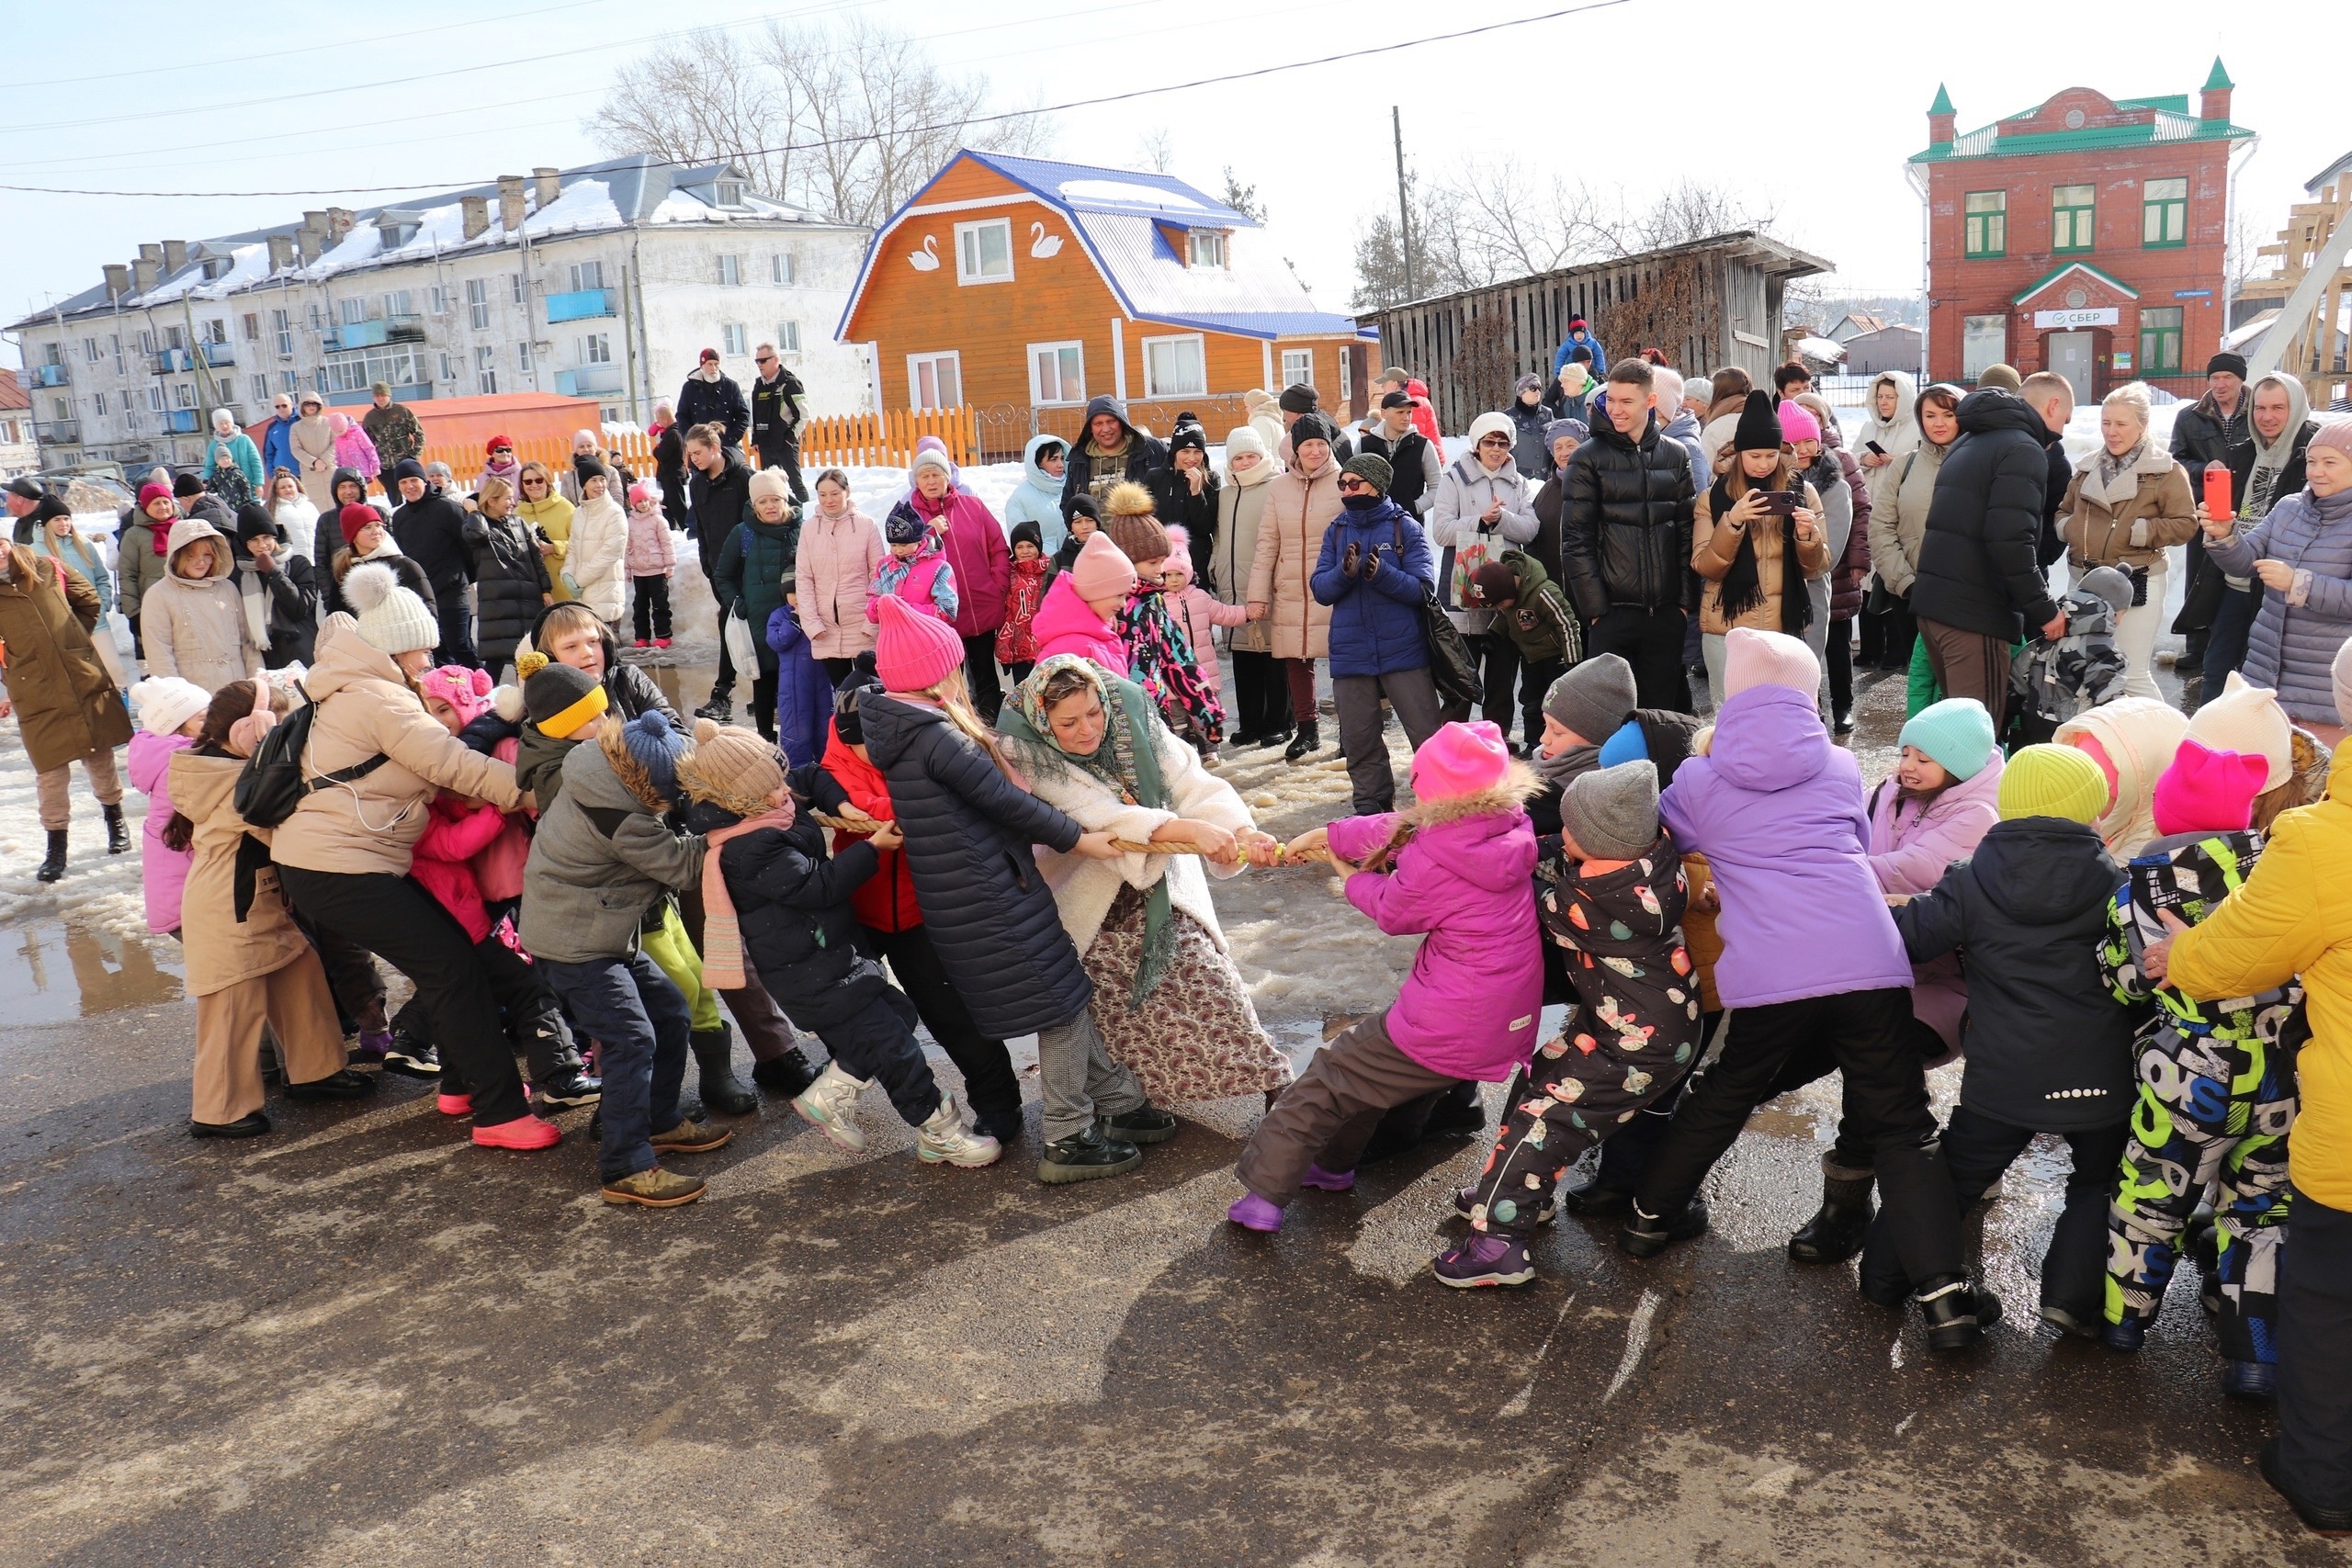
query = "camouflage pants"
{"x": 1581, "y": 1086}
{"x": 2213, "y": 1116}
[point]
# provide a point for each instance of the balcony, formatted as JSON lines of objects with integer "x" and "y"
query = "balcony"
{"x": 582, "y": 305}
{"x": 49, "y": 376}
{"x": 589, "y": 381}
{"x": 171, "y": 360}
{"x": 400, "y": 395}
{"x": 375, "y": 334}
{"x": 59, "y": 433}
{"x": 217, "y": 355}
{"x": 178, "y": 421}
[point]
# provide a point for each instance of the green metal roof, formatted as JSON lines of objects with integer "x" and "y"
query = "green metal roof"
{"x": 2218, "y": 82}
{"x": 2170, "y": 103}
{"x": 2166, "y": 127}
{"x": 2047, "y": 278}
{"x": 1943, "y": 102}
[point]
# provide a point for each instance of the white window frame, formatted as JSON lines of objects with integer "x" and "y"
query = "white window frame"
{"x": 587, "y": 275}
{"x": 787, "y": 337}
{"x": 261, "y": 389}
{"x": 282, "y": 325}
{"x": 730, "y": 271}
{"x": 915, "y": 364}
{"x": 353, "y": 312}
{"x": 98, "y": 403}
{"x": 154, "y": 400}
{"x": 728, "y": 192}
{"x": 595, "y": 348}
{"x": 486, "y": 371}
{"x": 522, "y": 356}
{"x": 477, "y": 303}
{"x": 1213, "y": 242}
{"x": 977, "y": 226}
{"x": 1036, "y": 383}
{"x": 1293, "y": 372}
{"x": 448, "y": 366}
{"x": 1152, "y": 390}
{"x": 734, "y": 339}
{"x": 437, "y": 298}
{"x": 1972, "y": 331}
{"x": 515, "y": 279}
{"x": 784, "y": 270}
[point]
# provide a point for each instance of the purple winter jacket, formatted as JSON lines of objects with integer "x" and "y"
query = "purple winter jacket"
{"x": 1909, "y": 850}
{"x": 1778, "y": 812}
{"x": 1470, "y": 1006}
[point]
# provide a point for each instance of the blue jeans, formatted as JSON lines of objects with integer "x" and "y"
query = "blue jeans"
{"x": 2226, "y": 643}
{"x": 638, "y": 1022}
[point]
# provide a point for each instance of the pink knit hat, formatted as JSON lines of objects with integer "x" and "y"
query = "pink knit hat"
{"x": 913, "y": 652}
{"x": 2207, "y": 791}
{"x": 2337, "y": 434}
{"x": 1797, "y": 422}
{"x": 1766, "y": 658}
{"x": 1459, "y": 760}
{"x": 466, "y": 690}
{"x": 1102, "y": 569}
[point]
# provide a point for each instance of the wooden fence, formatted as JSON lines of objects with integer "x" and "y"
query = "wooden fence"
{"x": 856, "y": 440}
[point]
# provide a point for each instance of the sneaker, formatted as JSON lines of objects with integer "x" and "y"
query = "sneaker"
{"x": 2126, "y": 1336}
{"x": 1485, "y": 1261}
{"x": 1252, "y": 1212}
{"x": 523, "y": 1134}
{"x": 1647, "y": 1235}
{"x": 373, "y": 1046}
{"x": 691, "y": 1138}
{"x": 1087, "y": 1156}
{"x": 786, "y": 1075}
{"x": 2325, "y": 1521}
{"x": 1147, "y": 1124}
{"x": 654, "y": 1188}
{"x": 1324, "y": 1180}
{"x": 411, "y": 1058}
{"x": 341, "y": 1084}
{"x": 641, "y": 642}
{"x": 454, "y": 1104}
{"x": 2257, "y": 1383}
{"x": 252, "y": 1125}
{"x": 721, "y": 707}
{"x": 1957, "y": 1315}
{"x": 944, "y": 1140}
{"x": 831, "y": 1104}
{"x": 661, "y": 642}
{"x": 569, "y": 1090}
{"x": 1466, "y": 1204}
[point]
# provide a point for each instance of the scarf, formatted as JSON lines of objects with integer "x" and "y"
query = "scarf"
{"x": 1742, "y": 589}
{"x": 2272, "y": 457}
{"x": 255, "y": 600}
{"x": 161, "y": 533}
{"x": 2113, "y": 466}
{"x": 1160, "y": 659}
{"x": 722, "y": 939}
{"x": 1128, "y": 769}
{"x": 1564, "y": 768}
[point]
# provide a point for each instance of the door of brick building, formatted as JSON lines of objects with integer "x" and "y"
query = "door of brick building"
{"x": 2073, "y": 356}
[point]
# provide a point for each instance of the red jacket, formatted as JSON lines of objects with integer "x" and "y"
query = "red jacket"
{"x": 884, "y": 901}
{"x": 978, "y": 550}
{"x": 1424, "y": 416}
{"x": 443, "y": 864}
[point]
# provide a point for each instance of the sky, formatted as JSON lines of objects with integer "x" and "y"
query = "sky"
{"x": 1811, "y": 123}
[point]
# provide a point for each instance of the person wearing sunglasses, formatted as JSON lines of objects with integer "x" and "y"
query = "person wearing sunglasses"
{"x": 776, "y": 413}
{"x": 1373, "y": 564}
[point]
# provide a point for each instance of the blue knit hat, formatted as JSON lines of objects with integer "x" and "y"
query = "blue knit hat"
{"x": 1956, "y": 732}
{"x": 655, "y": 745}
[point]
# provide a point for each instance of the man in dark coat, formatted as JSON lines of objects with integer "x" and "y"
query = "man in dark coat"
{"x": 711, "y": 397}
{"x": 1625, "y": 539}
{"x": 1980, "y": 586}
{"x": 430, "y": 529}
{"x": 1110, "y": 450}
{"x": 669, "y": 467}
{"x": 719, "y": 492}
{"x": 2051, "y": 396}
{"x": 775, "y": 419}
{"x": 2214, "y": 429}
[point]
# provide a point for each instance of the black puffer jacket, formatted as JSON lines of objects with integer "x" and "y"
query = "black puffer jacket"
{"x": 2048, "y": 1046}
{"x": 293, "y": 593}
{"x": 991, "y": 914}
{"x": 792, "y": 901}
{"x": 718, "y": 504}
{"x": 511, "y": 579}
{"x": 1528, "y": 451}
{"x": 1980, "y": 560}
{"x": 431, "y": 531}
{"x": 669, "y": 473}
{"x": 1173, "y": 503}
{"x": 2202, "y": 434}
{"x": 1143, "y": 453}
{"x": 1625, "y": 526}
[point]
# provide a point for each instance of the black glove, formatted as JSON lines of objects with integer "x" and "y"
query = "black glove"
{"x": 1351, "y": 561}
{"x": 1371, "y": 563}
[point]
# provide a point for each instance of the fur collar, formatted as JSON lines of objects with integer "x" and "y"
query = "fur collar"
{"x": 1518, "y": 786}
{"x": 630, "y": 772}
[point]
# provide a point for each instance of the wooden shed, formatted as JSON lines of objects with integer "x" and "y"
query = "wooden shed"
{"x": 1707, "y": 304}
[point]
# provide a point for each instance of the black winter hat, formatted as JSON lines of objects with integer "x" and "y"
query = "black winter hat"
{"x": 902, "y": 527}
{"x": 1191, "y": 436}
{"x": 407, "y": 469}
{"x": 2233, "y": 363}
{"x": 1081, "y": 503}
{"x": 1298, "y": 398}
{"x": 1311, "y": 428}
{"x": 185, "y": 486}
{"x": 253, "y": 520}
{"x": 848, "y": 722}
{"x": 47, "y": 507}
{"x": 1028, "y": 529}
{"x": 1759, "y": 427}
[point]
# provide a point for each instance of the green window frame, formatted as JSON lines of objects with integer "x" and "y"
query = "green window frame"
{"x": 2160, "y": 340}
{"x": 2163, "y": 214}
{"x": 1987, "y": 221}
{"x": 2073, "y": 219}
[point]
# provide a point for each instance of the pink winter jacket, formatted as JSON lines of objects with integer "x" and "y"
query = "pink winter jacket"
{"x": 1909, "y": 849}
{"x": 1470, "y": 1006}
{"x": 978, "y": 550}
{"x": 497, "y": 870}
{"x": 164, "y": 872}
{"x": 650, "y": 551}
{"x": 833, "y": 578}
{"x": 353, "y": 449}
{"x": 1065, "y": 625}
{"x": 1198, "y": 612}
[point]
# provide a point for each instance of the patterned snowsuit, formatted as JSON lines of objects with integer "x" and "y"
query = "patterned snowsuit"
{"x": 1633, "y": 1036}
{"x": 1160, "y": 659}
{"x": 2217, "y": 1096}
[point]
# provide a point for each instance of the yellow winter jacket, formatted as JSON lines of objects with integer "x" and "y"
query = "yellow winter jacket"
{"x": 2294, "y": 916}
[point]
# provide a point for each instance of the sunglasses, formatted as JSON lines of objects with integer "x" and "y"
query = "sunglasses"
{"x": 1494, "y": 441}
{"x": 1353, "y": 486}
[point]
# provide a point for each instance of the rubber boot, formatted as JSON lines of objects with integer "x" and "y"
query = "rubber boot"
{"x": 1306, "y": 743}
{"x": 54, "y": 868}
{"x": 118, "y": 831}
{"x": 1836, "y": 1233}
{"x": 721, "y": 1090}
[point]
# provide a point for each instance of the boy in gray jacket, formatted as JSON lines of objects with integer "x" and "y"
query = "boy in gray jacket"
{"x": 601, "y": 858}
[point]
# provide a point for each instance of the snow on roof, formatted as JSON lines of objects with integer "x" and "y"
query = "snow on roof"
{"x": 1821, "y": 348}
{"x": 1128, "y": 194}
{"x": 1086, "y": 187}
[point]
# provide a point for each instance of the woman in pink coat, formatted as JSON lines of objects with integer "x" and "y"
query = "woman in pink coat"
{"x": 353, "y": 449}
{"x": 1941, "y": 799}
{"x": 834, "y": 575}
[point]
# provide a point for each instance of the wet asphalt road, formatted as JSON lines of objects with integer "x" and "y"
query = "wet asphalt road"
{"x": 361, "y": 1341}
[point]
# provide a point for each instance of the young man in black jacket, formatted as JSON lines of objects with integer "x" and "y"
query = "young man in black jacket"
{"x": 430, "y": 529}
{"x": 1412, "y": 458}
{"x": 1625, "y": 539}
{"x": 711, "y": 397}
{"x": 718, "y": 492}
{"x": 2215, "y": 429}
{"x": 775, "y": 419}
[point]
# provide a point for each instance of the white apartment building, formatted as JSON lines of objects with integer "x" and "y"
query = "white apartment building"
{"x": 603, "y": 282}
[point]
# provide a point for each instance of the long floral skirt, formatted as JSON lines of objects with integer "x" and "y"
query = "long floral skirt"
{"x": 1197, "y": 1036}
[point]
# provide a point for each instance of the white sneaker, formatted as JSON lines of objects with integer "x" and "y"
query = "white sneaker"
{"x": 945, "y": 1137}
{"x": 832, "y": 1103}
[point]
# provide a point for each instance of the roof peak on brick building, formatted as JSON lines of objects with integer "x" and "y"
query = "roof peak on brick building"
{"x": 2080, "y": 118}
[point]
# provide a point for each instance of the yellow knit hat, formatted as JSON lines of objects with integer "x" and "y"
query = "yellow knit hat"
{"x": 2053, "y": 781}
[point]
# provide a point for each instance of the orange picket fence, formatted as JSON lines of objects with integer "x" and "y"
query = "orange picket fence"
{"x": 852, "y": 440}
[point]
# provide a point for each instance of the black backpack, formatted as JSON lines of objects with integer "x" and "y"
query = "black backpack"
{"x": 272, "y": 783}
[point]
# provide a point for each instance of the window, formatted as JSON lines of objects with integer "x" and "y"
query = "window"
{"x": 478, "y": 304}
{"x": 2164, "y": 213}
{"x": 182, "y": 395}
{"x": 730, "y": 193}
{"x": 784, "y": 267}
{"x": 1298, "y": 367}
{"x": 587, "y": 275}
{"x": 287, "y": 381}
{"x": 514, "y": 281}
{"x": 353, "y": 312}
{"x": 2072, "y": 218}
{"x": 174, "y": 337}
{"x": 984, "y": 251}
{"x": 282, "y": 325}
{"x": 730, "y": 272}
{"x": 787, "y": 337}
{"x": 448, "y": 366}
{"x": 596, "y": 348}
{"x": 1175, "y": 367}
{"x": 2160, "y": 341}
{"x": 98, "y": 403}
{"x": 1057, "y": 373}
{"x": 1207, "y": 248}
{"x": 1347, "y": 372}
{"x": 437, "y": 299}
{"x": 397, "y": 303}
{"x": 146, "y": 342}
{"x": 154, "y": 400}
{"x": 53, "y": 353}
{"x": 318, "y": 318}
{"x": 523, "y": 357}
{"x": 90, "y": 349}
{"x": 319, "y": 378}
{"x": 118, "y": 353}
{"x": 486, "y": 371}
{"x": 1988, "y": 223}
{"x": 393, "y": 364}
{"x": 934, "y": 380}
{"x": 251, "y": 323}
{"x": 733, "y": 337}
{"x": 261, "y": 389}
{"x": 63, "y": 407}
{"x": 1983, "y": 340}
{"x": 216, "y": 332}
{"x": 610, "y": 414}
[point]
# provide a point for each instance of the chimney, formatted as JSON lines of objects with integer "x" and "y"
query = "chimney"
{"x": 339, "y": 221}
{"x": 2213, "y": 103}
{"x": 175, "y": 255}
{"x": 151, "y": 253}
{"x": 306, "y": 243}
{"x": 477, "y": 215}
{"x": 549, "y": 185}
{"x": 142, "y": 272}
{"x": 509, "y": 203}
{"x": 281, "y": 252}
{"x": 118, "y": 280}
{"x": 1940, "y": 117}
{"x": 314, "y": 221}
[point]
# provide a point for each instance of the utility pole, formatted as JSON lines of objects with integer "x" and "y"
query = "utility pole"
{"x": 1404, "y": 218}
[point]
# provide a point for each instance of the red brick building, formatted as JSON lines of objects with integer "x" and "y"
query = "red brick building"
{"x": 2083, "y": 235}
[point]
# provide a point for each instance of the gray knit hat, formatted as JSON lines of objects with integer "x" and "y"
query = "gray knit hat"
{"x": 1594, "y": 698}
{"x": 1611, "y": 813}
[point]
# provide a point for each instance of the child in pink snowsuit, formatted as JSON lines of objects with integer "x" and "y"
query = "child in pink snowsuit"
{"x": 353, "y": 447}
{"x": 1197, "y": 610}
{"x": 171, "y": 715}
{"x": 1456, "y": 866}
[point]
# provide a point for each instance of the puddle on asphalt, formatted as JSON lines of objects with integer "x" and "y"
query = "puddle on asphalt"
{"x": 53, "y": 970}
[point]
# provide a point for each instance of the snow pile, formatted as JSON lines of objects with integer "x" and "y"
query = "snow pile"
{"x": 104, "y": 891}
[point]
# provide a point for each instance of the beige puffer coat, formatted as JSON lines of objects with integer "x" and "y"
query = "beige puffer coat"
{"x": 2099, "y": 519}
{"x": 1712, "y": 549}
{"x": 1300, "y": 507}
{"x": 599, "y": 540}
{"x": 366, "y": 709}
{"x": 1899, "y": 520}
{"x": 311, "y": 440}
{"x": 196, "y": 627}
{"x": 220, "y": 950}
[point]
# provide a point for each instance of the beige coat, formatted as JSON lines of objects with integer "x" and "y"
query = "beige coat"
{"x": 1899, "y": 520}
{"x": 2151, "y": 496}
{"x": 366, "y": 709}
{"x": 1299, "y": 509}
{"x": 220, "y": 951}
{"x": 599, "y": 540}
{"x": 67, "y": 705}
{"x": 312, "y": 441}
{"x": 196, "y": 627}
{"x": 1712, "y": 549}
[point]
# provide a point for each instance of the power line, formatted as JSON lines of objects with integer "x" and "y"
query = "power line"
{"x": 959, "y": 123}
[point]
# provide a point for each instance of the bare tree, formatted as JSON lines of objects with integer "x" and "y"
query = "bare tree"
{"x": 1157, "y": 149}
{"x": 696, "y": 99}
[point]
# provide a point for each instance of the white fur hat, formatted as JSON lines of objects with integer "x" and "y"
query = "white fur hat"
{"x": 166, "y": 702}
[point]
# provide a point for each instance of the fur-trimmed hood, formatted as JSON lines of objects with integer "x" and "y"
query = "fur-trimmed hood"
{"x": 1518, "y": 786}
{"x": 614, "y": 744}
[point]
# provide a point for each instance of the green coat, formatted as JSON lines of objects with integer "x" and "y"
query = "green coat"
{"x": 756, "y": 567}
{"x": 1539, "y": 622}
{"x": 67, "y": 705}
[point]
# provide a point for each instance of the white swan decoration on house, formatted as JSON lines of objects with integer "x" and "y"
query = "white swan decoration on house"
{"x": 1041, "y": 244}
{"x": 927, "y": 258}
